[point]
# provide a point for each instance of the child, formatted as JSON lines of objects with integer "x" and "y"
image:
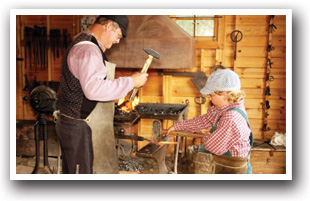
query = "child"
{"x": 230, "y": 133}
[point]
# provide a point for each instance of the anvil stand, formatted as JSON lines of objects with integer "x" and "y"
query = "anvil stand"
{"x": 40, "y": 131}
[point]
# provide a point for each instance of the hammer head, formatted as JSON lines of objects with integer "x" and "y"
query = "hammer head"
{"x": 152, "y": 53}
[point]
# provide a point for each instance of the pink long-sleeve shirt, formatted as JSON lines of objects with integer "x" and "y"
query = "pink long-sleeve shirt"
{"x": 85, "y": 63}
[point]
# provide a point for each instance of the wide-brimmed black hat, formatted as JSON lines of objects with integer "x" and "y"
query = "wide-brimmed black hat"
{"x": 121, "y": 20}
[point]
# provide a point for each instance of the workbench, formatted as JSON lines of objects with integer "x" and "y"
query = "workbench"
{"x": 268, "y": 159}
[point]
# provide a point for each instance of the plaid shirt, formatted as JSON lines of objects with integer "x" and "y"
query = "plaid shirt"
{"x": 232, "y": 132}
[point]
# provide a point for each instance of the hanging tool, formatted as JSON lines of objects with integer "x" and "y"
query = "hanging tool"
{"x": 268, "y": 91}
{"x": 58, "y": 43}
{"x": 55, "y": 42}
{"x": 36, "y": 45}
{"x": 272, "y": 27}
{"x": 216, "y": 67}
{"x": 28, "y": 32}
{"x": 26, "y": 88}
{"x": 236, "y": 36}
{"x": 52, "y": 42}
{"x": 269, "y": 77}
{"x": 44, "y": 47}
{"x": 65, "y": 40}
{"x": 41, "y": 47}
{"x": 270, "y": 48}
{"x": 152, "y": 54}
{"x": 267, "y": 104}
{"x": 265, "y": 128}
{"x": 269, "y": 63}
{"x": 199, "y": 81}
{"x": 200, "y": 100}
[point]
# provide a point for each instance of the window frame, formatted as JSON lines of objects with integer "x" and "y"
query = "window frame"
{"x": 195, "y": 18}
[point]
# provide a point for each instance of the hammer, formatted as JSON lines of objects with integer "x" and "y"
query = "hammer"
{"x": 151, "y": 53}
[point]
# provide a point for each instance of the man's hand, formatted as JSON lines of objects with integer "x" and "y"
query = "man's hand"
{"x": 139, "y": 79}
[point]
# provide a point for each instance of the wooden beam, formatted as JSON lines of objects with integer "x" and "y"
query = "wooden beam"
{"x": 203, "y": 107}
{"x": 167, "y": 95}
{"x": 20, "y": 69}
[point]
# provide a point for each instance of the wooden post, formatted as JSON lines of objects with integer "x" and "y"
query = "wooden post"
{"x": 167, "y": 82}
{"x": 203, "y": 107}
{"x": 20, "y": 68}
{"x": 218, "y": 56}
{"x": 167, "y": 93}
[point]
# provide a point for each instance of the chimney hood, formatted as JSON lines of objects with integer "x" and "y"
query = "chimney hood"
{"x": 157, "y": 32}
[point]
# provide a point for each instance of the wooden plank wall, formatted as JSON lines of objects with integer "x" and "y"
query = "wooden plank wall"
{"x": 52, "y": 72}
{"x": 250, "y": 65}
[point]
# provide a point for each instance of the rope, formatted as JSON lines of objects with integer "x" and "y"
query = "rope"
{"x": 216, "y": 163}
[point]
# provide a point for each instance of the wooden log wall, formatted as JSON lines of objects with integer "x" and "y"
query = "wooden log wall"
{"x": 250, "y": 64}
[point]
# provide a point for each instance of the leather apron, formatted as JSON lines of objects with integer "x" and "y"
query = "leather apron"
{"x": 100, "y": 120}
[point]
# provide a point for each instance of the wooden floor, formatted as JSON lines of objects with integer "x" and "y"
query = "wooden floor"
{"x": 25, "y": 165}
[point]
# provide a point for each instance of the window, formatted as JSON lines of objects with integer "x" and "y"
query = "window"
{"x": 198, "y": 25}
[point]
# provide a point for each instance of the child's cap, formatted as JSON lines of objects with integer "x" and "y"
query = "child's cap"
{"x": 221, "y": 80}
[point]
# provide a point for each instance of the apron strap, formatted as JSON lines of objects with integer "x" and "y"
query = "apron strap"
{"x": 94, "y": 40}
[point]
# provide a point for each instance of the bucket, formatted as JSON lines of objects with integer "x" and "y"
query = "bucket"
{"x": 199, "y": 162}
{"x": 207, "y": 163}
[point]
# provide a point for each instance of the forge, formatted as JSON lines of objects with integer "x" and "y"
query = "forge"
{"x": 153, "y": 155}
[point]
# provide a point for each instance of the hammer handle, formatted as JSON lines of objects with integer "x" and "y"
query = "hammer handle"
{"x": 144, "y": 70}
{"x": 147, "y": 64}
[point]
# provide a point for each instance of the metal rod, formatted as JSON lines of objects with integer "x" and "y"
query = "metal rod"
{"x": 176, "y": 155}
{"x": 36, "y": 135}
{"x": 58, "y": 158}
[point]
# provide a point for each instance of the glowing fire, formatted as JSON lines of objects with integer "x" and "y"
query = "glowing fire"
{"x": 120, "y": 101}
{"x": 128, "y": 105}
{"x": 135, "y": 102}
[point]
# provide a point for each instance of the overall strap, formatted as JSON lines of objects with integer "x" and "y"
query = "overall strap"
{"x": 246, "y": 118}
{"x": 242, "y": 113}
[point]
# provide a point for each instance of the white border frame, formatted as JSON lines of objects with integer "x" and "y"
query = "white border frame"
{"x": 15, "y": 12}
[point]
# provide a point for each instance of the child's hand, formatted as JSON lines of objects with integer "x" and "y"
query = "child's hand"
{"x": 171, "y": 129}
